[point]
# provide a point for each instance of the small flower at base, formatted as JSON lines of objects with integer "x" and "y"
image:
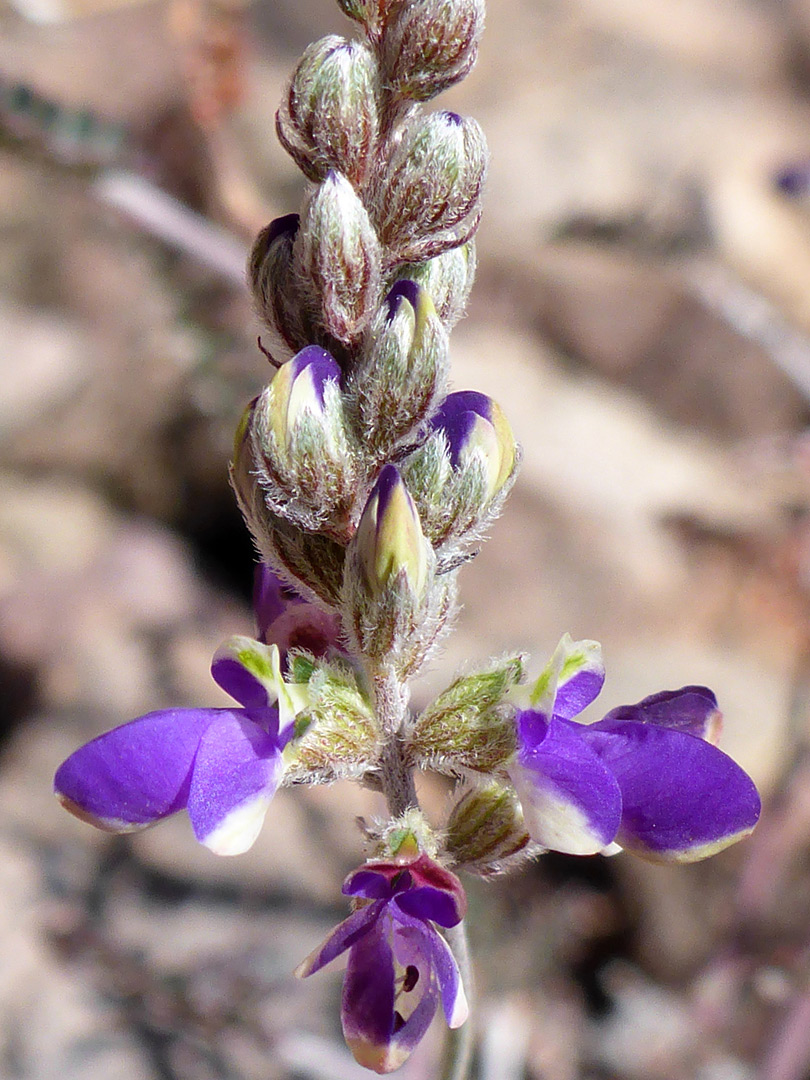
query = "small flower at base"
{"x": 329, "y": 117}
{"x": 337, "y": 255}
{"x": 429, "y": 45}
{"x": 644, "y": 777}
{"x": 399, "y": 967}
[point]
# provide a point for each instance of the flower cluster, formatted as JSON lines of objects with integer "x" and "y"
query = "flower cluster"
{"x": 365, "y": 482}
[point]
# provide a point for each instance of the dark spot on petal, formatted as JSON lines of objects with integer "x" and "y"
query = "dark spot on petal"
{"x": 399, "y": 1022}
{"x": 411, "y": 978}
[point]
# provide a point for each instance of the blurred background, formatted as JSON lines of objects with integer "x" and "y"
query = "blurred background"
{"x": 642, "y": 313}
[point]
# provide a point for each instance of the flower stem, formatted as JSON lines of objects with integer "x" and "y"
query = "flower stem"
{"x": 391, "y": 699}
{"x": 458, "y": 1047}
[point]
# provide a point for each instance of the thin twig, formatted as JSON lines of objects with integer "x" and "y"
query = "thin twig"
{"x": 170, "y": 221}
{"x": 458, "y": 1048}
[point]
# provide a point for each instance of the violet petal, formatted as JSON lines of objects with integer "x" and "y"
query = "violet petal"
{"x": 135, "y": 774}
{"x": 571, "y": 801}
{"x": 236, "y": 773}
{"x": 683, "y": 799}
{"x": 692, "y": 709}
{"x": 343, "y": 937}
{"x": 428, "y": 903}
{"x": 367, "y": 1011}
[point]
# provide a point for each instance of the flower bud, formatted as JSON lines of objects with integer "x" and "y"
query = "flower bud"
{"x": 328, "y": 119}
{"x": 389, "y": 538}
{"x": 403, "y": 370}
{"x": 337, "y": 255}
{"x": 312, "y": 559}
{"x": 393, "y": 606}
{"x": 336, "y": 737}
{"x": 371, "y": 13}
{"x": 469, "y": 728}
{"x": 300, "y": 440}
{"x": 434, "y": 180}
{"x": 486, "y": 830}
{"x": 460, "y": 476}
{"x": 431, "y": 44}
{"x": 272, "y": 281}
{"x": 477, "y": 430}
{"x": 447, "y": 279}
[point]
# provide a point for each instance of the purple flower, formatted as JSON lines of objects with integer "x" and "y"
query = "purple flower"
{"x": 221, "y": 765}
{"x": 286, "y": 619}
{"x": 399, "y": 965}
{"x": 646, "y": 777}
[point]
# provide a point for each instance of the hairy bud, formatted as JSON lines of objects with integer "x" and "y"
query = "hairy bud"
{"x": 272, "y": 281}
{"x": 337, "y": 255}
{"x": 328, "y": 119}
{"x": 300, "y": 444}
{"x": 470, "y": 726}
{"x": 403, "y": 370}
{"x": 447, "y": 279}
{"x": 486, "y": 833}
{"x": 393, "y": 606}
{"x": 336, "y": 735}
{"x": 462, "y": 473}
{"x": 431, "y": 44}
{"x": 434, "y": 181}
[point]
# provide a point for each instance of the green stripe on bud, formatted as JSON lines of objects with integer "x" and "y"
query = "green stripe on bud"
{"x": 337, "y": 257}
{"x": 486, "y": 832}
{"x": 431, "y": 44}
{"x": 328, "y": 119}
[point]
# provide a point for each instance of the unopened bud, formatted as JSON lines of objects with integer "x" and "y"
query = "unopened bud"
{"x": 393, "y": 606}
{"x": 431, "y": 44}
{"x": 434, "y": 181}
{"x": 270, "y": 272}
{"x": 478, "y": 435}
{"x": 312, "y": 559}
{"x": 299, "y": 444}
{"x": 337, "y": 253}
{"x": 389, "y": 538}
{"x": 486, "y": 829}
{"x": 403, "y": 370}
{"x": 328, "y": 119}
{"x": 371, "y": 13}
{"x": 447, "y": 279}
{"x": 462, "y": 473}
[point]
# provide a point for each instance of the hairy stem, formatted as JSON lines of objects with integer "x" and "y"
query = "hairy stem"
{"x": 458, "y": 1047}
{"x": 391, "y": 699}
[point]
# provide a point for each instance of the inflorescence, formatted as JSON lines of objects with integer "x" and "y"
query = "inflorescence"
{"x": 365, "y": 484}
